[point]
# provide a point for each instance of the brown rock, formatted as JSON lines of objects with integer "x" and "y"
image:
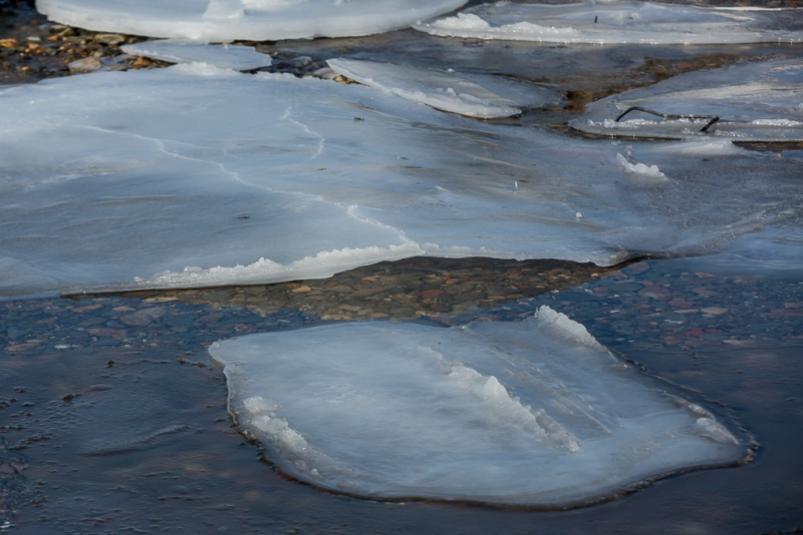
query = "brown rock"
{"x": 111, "y": 39}
{"x": 85, "y": 65}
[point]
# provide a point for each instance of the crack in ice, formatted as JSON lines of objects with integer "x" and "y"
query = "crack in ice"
{"x": 286, "y": 116}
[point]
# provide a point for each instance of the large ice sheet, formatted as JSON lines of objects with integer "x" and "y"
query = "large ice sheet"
{"x": 618, "y": 22}
{"x": 237, "y": 57}
{"x": 749, "y": 102}
{"x": 257, "y": 20}
{"x": 196, "y": 176}
{"x": 532, "y": 413}
{"x": 476, "y": 95}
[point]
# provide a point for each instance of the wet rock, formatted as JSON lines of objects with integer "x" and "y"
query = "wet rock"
{"x": 111, "y": 39}
{"x": 85, "y": 65}
{"x": 142, "y": 317}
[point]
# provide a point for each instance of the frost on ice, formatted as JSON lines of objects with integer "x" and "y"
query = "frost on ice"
{"x": 747, "y": 102}
{"x": 197, "y": 176}
{"x": 481, "y": 96}
{"x": 256, "y": 20}
{"x": 225, "y": 56}
{"x": 619, "y": 22}
{"x": 532, "y": 413}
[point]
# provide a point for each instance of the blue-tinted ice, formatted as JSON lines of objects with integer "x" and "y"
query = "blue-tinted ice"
{"x": 237, "y": 57}
{"x": 749, "y": 102}
{"x": 197, "y": 176}
{"x": 255, "y": 20}
{"x": 619, "y": 22}
{"x": 473, "y": 95}
{"x": 533, "y": 413}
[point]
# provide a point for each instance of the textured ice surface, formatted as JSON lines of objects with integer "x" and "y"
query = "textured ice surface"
{"x": 472, "y": 95}
{"x": 196, "y": 176}
{"x": 534, "y": 412}
{"x": 753, "y": 101}
{"x": 612, "y": 22}
{"x": 225, "y": 20}
{"x": 237, "y": 57}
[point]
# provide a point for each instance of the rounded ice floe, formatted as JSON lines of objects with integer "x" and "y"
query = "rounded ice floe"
{"x": 198, "y": 176}
{"x": 225, "y": 56}
{"x": 534, "y": 413}
{"x": 257, "y": 20}
{"x": 746, "y": 102}
{"x": 619, "y": 22}
{"x": 475, "y": 95}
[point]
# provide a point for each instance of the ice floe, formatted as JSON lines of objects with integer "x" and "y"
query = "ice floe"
{"x": 199, "y": 176}
{"x": 533, "y": 413}
{"x": 257, "y": 20}
{"x": 748, "y": 102}
{"x": 618, "y": 22}
{"x": 225, "y": 56}
{"x": 481, "y": 96}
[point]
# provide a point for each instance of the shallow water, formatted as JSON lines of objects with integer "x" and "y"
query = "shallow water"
{"x": 126, "y": 427}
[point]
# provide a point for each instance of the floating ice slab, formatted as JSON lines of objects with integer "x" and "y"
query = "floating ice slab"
{"x": 531, "y": 413}
{"x": 481, "y": 96}
{"x": 748, "y": 102}
{"x": 237, "y": 57}
{"x": 197, "y": 176}
{"x": 257, "y": 20}
{"x": 618, "y": 22}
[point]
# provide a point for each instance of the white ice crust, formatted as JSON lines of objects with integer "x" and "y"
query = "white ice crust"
{"x": 753, "y": 101}
{"x": 475, "y": 95}
{"x": 257, "y": 20}
{"x": 225, "y": 56}
{"x": 617, "y": 22}
{"x": 531, "y": 413}
{"x": 199, "y": 176}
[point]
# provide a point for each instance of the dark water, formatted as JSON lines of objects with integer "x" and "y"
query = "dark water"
{"x": 113, "y": 419}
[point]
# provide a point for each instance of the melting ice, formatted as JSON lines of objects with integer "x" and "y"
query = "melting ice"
{"x": 165, "y": 178}
{"x": 237, "y": 57}
{"x": 749, "y": 102}
{"x": 534, "y": 412}
{"x": 622, "y": 22}
{"x": 256, "y": 20}
{"x": 472, "y": 95}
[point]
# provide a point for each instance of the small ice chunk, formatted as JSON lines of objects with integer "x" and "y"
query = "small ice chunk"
{"x": 225, "y": 56}
{"x": 750, "y": 101}
{"x": 481, "y": 96}
{"x": 532, "y": 413}
{"x": 638, "y": 168}
{"x": 253, "y": 20}
{"x": 617, "y": 22}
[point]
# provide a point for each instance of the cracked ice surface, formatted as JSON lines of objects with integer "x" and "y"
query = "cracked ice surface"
{"x": 754, "y": 101}
{"x": 237, "y": 57}
{"x": 165, "y": 179}
{"x": 481, "y": 96}
{"x": 618, "y": 22}
{"x": 256, "y": 20}
{"x": 532, "y": 413}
